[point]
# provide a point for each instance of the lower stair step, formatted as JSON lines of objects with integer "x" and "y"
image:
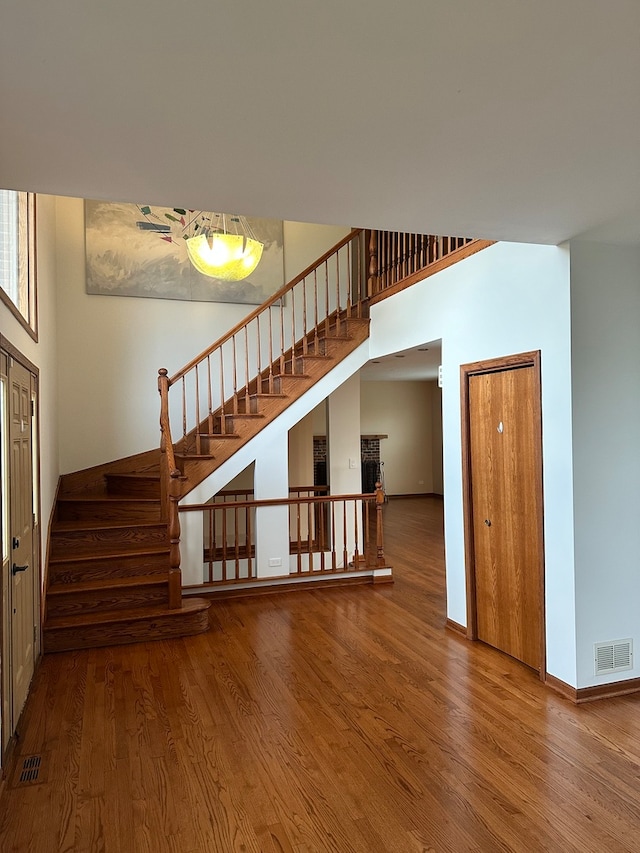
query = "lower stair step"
{"x": 120, "y": 627}
{"x": 116, "y": 564}
{"x": 107, "y": 595}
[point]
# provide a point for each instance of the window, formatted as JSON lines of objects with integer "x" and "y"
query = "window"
{"x": 17, "y": 256}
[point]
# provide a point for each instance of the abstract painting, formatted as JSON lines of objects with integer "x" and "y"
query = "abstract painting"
{"x": 139, "y": 250}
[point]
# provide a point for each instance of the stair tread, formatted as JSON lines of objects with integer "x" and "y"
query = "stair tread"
{"x": 142, "y": 475}
{"x": 195, "y": 456}
{"x": 110, "y": 555}
{"x": 106, "y": 498}
{"x": 240, "y": 414}
{"x": 58, "y": 589}
{"x": 189, "y": 605}
{"x": 70, "y": 526}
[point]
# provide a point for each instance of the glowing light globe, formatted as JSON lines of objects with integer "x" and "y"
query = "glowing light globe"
{"x": 228, "y": 257}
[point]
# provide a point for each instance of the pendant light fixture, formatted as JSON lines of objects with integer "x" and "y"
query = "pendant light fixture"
{"x": 224, "y": 247}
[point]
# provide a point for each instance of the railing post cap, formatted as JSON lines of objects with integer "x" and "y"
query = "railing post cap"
{"x": 163, "y": 371}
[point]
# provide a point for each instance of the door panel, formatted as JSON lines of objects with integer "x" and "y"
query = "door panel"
{"x": 505, "y": 461}
{"x": 21, "y": 561}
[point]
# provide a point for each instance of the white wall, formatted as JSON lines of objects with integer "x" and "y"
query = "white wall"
{"x": 506, "y": 299}
{"x": 301, "y": 452}
{"x": 110, "y": 348}
{"x": 605, "y": 313}
{"x": 402, "y": 411}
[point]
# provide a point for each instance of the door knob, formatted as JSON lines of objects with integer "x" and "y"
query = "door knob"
{"x": 15, "y": 569}
{"x": 487, "y": 521}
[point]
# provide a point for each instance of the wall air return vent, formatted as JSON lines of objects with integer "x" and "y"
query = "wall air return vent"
{"x": 616, "y": 656}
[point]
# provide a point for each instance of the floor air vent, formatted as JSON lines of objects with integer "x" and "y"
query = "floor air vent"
{"x": 30, "y": 772}
{"x": 616, "y": 656}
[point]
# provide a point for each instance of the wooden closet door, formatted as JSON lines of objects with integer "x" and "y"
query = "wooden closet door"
{"x": 505, "y": 461}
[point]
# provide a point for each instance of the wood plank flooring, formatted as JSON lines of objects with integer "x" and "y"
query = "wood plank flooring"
{"x": 344, "y": 720}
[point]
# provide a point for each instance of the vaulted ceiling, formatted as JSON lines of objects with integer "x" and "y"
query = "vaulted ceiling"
{"x": 497, "y": 119}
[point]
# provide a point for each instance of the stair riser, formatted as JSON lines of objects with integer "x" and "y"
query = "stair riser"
{"x": 107, "y": 568}
{"x": 107, "y": 511}
{"x": 133, "y": 487}
{"x": 106, "y": 600}
{"x": 102, "y": 541}
{"x": 139, "y": 630}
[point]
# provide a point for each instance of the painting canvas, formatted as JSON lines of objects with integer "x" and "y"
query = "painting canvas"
{"x": 139, "y": 250}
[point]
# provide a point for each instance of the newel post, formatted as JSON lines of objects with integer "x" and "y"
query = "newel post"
{"x": 163, "y": 390}
{"x": 169, "y": 492}
{"x": 372, "y": 251}
{"x": 379, "y": 531}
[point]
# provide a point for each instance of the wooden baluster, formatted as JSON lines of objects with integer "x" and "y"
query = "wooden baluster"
{"x": 175, "y": 575}
{"x": 224, "y": 544}
{"x": 246, "y": 368}
{"x": 315, "y": 309}
{"x": 298, "y": 539}
{"x": 326, "y": 293}
{"x": 236, "y": 543}
{"x": 304, "y": 317}
{"x": 212, "y": 542}
{"x": 184, "y": 410}
{"x": 332, "y": 537}
{"x": 359, "y": 284}
{"x": 385, "y": 261}
{"x": 367, "y": 534}
{"x": 281, "y": 339}
{"x": 356, "y": 552}
{"x": 373, "y": 281}
{"x": 223, "y": 420}
{"x": 379, "y": 530}
{"x": 259, "y": 377}
{"x": 309, "y": 534}
{"x": 209, "y": 400}
{"x": 249, "y": 542}
{"x": 349, "y": 280}
{"x": 322, "y": 527}
{"x": 345, "y": 554}
{"x": 197, "y": 410}
{"x": 338, "y": 295}
{"x": 293, "y": 330}
{"x": 270, "y": 355}
{"x": 235, "y": 375}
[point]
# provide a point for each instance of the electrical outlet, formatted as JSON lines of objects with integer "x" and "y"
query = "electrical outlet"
{"x": 275, "y": 561}
{"x": 353, "y": 463}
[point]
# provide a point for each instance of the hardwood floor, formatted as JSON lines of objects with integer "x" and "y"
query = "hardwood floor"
{"x": 338, "y": 720}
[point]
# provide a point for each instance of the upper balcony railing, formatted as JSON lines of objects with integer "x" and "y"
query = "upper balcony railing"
{"x": 398, "y": 259}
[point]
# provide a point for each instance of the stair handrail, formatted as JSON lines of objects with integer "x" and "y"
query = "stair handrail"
{"x": 275, "y": 297}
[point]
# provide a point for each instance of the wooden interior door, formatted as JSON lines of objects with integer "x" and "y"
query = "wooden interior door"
{"x": 506, "y": 514}
{"x": 22, "y": 599}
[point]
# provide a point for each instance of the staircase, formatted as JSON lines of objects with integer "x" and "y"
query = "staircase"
{"x": 113, "y": 569}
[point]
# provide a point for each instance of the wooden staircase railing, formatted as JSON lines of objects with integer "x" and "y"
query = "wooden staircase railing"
{"x": 398, "y": 259}
{"x": 328, "y": 535}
